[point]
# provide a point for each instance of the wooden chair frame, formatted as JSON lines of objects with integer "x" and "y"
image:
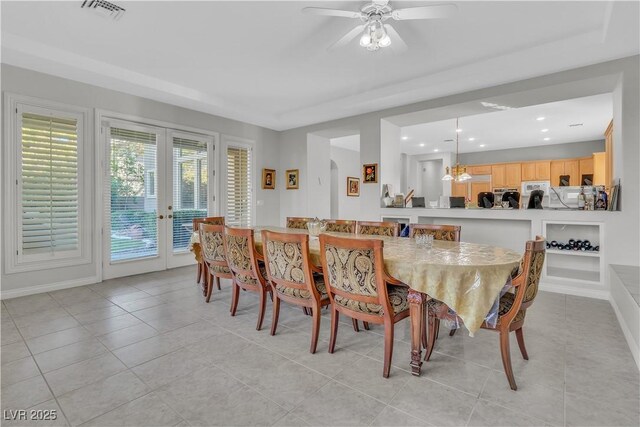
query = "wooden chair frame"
{"x": 217, "y": 220}
{"x": 506, "y": 323}
{"x": 330, "y": 222}
{"x": 297, "y": 218}
{"x": 456, "y": 229}
{"x": 315, "y": 303}
{"x": 388, "y": 318}
{"x": 394, "y": 226}
{"x": 210, "y": 263}
{"x": 262, "y": 287}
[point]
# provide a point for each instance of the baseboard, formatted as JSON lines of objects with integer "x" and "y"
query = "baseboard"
{"x": 633, "y": 346}
{"x": 14, "y": 293}
{"x": 572, "y": 290}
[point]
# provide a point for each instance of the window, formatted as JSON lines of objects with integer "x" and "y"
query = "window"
{"x": 151, "y": 184}
{"x": 239, "y": 186}
{"x": 45, "y": 168}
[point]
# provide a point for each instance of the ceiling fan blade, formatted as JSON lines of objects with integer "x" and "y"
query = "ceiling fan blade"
{"x": 331, "y": 12}
{"x": 344, "y": 40}
{"x": 425, "y": 12}
{"x": 397, "y": 44}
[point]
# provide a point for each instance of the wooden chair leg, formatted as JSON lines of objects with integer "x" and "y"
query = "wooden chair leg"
{"x": 315, "y": 329}
{"x": 218, "y": 283}
{"x": 263, "y": 305}
{"x": 199, "y": 276}
{"x": 305, "y": 310}
{"x": 523, "y": 349}
{"x": 366, "y": 325}
{"x": 209, "y": 286}
{"x": 505, "y": 351}
{"x": 434, "y": 325}
{"x": 355, "y": 325}
{"x": 276, "y": 314}
{"x": 335, "y": 317}
{"x": 452, "y": 332}
{"x": 234, "y": 298}
{"x": 388, "y": 347}
{"x": 425, "y": 342}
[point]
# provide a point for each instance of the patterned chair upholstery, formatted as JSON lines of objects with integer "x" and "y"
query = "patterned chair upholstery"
{"x": 512, "y": 309}
{"x": 390, "y": 229}
{"x": 246, "y": 267}
{"x": 213, "y": 220}
{"x": 360, "y": 288}
{"x": 213, "y": 256}
{"x": 340, "y": 226}
{"x": 290, "y": 273}
{"x": 299, "y": 223}
{"x": 450, "y": 233}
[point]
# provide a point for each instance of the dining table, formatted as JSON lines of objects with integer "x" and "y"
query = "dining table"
{"x": 467, "y": 277}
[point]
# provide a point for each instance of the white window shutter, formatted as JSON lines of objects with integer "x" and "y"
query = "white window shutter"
{"x": 239, "y": 191}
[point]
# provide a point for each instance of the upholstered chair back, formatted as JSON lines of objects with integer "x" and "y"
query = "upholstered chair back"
{"x": 239, "y": 247}
{"x": 450, "y": 233}
{"x": 532, "y": 268}
{"x": 340, "y": 226}
{"x": 297, "y": 222}
{"x": 287, "y": 263}
{"x": 391, "y": 229}
{"x": 212, "y": 220}
{"x": 212, "y": 245}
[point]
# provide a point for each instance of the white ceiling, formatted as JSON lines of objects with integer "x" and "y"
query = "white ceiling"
{"x": 266, "y": 63}
{"x": 351, "y": 142}
{"x": 515, "y": 128}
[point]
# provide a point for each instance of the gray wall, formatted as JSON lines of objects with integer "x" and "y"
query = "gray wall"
{"x": 546, "y": 152}
{"x": 30, "y": 83}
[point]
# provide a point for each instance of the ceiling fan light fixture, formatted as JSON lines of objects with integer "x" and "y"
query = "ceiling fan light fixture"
{"x": 365, "y": 40}
{"x": 385, "y": 41}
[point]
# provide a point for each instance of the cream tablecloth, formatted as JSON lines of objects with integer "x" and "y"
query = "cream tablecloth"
{"x": 468, "y": 277}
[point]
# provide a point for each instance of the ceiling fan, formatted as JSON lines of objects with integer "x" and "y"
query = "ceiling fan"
{"x": 375, "y": 33}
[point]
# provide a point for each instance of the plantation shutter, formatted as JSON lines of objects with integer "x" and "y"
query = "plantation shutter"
{"x": 239, "y": 186}
{"x": 49, "y": 200}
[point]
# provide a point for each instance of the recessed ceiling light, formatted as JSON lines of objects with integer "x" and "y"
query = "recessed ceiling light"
{"x": 482, "y": 145}
{"x": 544, "y": 130}
{"x": 448, "y": 140}
{"x": 422, "y": 145}
{"x": 436, "y": 150}
{"x": 404, "y": 138}
{"x": 546, "y": 139}
{"x": 540, "y": 118}
{"x": 472, "y": 139}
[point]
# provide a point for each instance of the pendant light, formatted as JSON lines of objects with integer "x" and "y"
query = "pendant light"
{"x": 458, "y": 172}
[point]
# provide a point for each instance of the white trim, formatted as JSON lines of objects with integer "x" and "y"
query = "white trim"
{"x": 635, "y": 351}
{"x": 14, "y": 261}
{"x": 234, "y": 141}
{"x": 574, "y": 290}
{"x": 21, "y": 292}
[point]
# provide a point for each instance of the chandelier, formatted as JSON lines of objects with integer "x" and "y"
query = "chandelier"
{"x": 458, "y": 172}
{"x": 374, "y": 36}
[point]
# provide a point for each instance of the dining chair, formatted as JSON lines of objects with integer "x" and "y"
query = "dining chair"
{"x": 511, "y": 311}
{"x": 340, "y": 226}
{"x": 390, "y": 229}
{"x": 359, "y": 287}
{"x": 214, "y": 220}
{"x": 213, "y": 256}
{"x": 450, "y": 233}
{"x": 297, "y": 222}
{"x": 247, "y": 268}
{"x": 290, "y": 272}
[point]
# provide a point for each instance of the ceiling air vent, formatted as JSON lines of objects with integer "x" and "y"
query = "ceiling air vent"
{"x": 104, "y": 8}
{"x": 575, "y": 125}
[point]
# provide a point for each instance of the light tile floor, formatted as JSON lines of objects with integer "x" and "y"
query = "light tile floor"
{"x": 147, "y": 350}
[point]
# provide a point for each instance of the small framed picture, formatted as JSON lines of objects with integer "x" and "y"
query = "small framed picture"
{"x": 370, "y": 173}
{"x": 353, "y": 186}
{"x": 268, "y": 179}
{"x": 292, "y": 179}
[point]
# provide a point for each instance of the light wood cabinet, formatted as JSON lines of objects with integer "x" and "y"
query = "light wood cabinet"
{"x": 479, "y": 170}
{"x": 586, "y": 167}
{"x": 608, "y": 149}
{"x": 572, "y": 168}
{"x": 543, "y": 171}
{"x": 513, "y": 175}
{"x": 459, "y": 189}
{"x": 528, "y": 171}
{"x": 478, "y": 187}
{"x": 498, "y": 176}
{"x": 599, "y": 168}
{"x": 557, "y": 169}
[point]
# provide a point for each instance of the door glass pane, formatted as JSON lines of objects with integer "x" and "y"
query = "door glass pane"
{"x": 190, "y": 188}
{"x": 133, "y": 204}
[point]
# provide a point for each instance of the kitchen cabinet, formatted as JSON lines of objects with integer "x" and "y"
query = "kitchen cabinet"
{"x": 543, "y": 171}
{"x": 498, "y": 176}
{"x": 572, "y": 168}
{"x": 479, "y": 170}
{"x": 599, "y": 168}
{"x": 557, "y": 169}
{"x": 459, "y": 189}
{"x": 478, "y": 187}
{"x": 513, "y": 175}
{"x": 608, "y": 149}
{"x": 529, "y": 171}
{"x": 586, "y": 167}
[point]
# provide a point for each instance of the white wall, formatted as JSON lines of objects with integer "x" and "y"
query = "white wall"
{"x": 430, "y": 184}
{"x": 391, "y": 170}
{"x": 30, "y": 83}
{"x": 348, "y": 163}
{"x": 318, "y": 176}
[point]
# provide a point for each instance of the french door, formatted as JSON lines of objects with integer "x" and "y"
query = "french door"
{"x": 156, "y": 181}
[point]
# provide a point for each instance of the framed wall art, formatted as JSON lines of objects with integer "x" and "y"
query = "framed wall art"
{"x": 268, "y": 179}
{"x": 370, "y": 173}
{"x": 353, "y": 186}
{"x": 292, "y": 179}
